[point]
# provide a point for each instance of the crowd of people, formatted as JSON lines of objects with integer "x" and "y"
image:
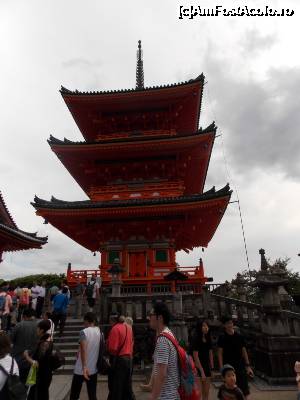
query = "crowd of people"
{"x": 27, "y": 337}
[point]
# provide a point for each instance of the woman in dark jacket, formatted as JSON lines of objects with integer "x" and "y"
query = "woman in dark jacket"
{"x": 41, "y": 356}
{"x": 203, "y": 356}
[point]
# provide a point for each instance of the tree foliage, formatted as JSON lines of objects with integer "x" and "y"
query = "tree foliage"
{"x": 249, "y": 276}
{"x": 50, "y": 279}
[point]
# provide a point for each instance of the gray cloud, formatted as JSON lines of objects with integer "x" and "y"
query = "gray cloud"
{"x": 254, "y": 42}
{"x": 259, "y": 118}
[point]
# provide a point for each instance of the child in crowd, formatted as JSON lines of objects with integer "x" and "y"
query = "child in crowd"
{"x": 229, "y": 390}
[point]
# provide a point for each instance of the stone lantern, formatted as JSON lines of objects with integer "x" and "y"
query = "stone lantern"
{"x": 116, "y": 281}
{"x": 276, "y": 350}
{"x": 269, "y": 280}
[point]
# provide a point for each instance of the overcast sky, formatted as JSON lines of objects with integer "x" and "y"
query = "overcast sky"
{"x": 252, "y": 91}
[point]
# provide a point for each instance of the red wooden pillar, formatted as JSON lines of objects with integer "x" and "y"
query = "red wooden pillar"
{"x": 173, "y": 287}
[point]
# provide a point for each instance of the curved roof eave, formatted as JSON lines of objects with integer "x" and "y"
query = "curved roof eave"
{"x": 55, "y": 203}
{"x": 65, "y": 91}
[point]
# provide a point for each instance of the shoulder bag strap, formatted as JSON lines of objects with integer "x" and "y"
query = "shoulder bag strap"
{"x": 170, "y": 337}
{"x": 12, "y": 367}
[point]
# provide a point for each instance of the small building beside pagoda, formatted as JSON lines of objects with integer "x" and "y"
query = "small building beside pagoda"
{"x": 12, "y": 238}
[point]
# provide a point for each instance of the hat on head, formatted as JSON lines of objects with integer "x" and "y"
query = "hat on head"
{"x": 225, "y": 368}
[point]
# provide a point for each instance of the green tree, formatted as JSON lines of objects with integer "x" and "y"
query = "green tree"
{"x": 252, "y": 292}
{"x": 50, "y": 279}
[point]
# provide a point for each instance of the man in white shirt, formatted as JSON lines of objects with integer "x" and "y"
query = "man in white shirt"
{"x": 86, "y": 363}
{"x": 41, "y": 300}
{"x": 35, "y": 291}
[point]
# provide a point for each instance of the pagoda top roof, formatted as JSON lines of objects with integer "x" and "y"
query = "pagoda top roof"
{"x": 55, "y": 203}
{"x": 64, "y": 91}
{"x": 175, "y": 106}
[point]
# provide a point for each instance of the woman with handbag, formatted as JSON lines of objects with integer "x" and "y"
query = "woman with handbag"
{"x": 8, "y": 368}
{"x": 41, "y": 358}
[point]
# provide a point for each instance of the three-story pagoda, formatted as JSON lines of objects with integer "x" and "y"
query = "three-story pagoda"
{"x": 143, "y": 165}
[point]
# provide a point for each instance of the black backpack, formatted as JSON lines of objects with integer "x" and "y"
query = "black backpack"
{"x": 14, "y": 387}
{"x": 103, "y": 364}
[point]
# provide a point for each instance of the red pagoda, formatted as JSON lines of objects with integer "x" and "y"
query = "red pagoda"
{"x": 12, "y": 238}
{"x": 143, "y": 165}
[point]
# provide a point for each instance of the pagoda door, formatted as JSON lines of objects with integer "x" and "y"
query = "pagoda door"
{"x": 137, "y": 263}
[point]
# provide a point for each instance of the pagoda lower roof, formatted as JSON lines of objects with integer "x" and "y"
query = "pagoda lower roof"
{"x": 178, "y": 103}
{"x": 86, "y": 161}
{"x": 188, "y": 221}
{"x": 13, "y": 239}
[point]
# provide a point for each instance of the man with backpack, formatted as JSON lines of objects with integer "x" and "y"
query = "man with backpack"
{"x": 174, "y": 373}
{"x": 165, "y": 370}
{"x": 92, "y": 292}
{"x": 60, "y": 305}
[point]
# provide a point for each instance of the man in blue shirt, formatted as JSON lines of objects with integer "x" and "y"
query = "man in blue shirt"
{"x": 60, "y": 305}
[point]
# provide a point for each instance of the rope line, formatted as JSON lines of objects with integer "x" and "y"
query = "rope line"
{"x": 230, "y": 179}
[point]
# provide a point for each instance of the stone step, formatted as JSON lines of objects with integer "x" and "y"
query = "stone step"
{"x": 70, "y": 360}
{"x": 69, "y": 352}
{"x": 66, "y": 345}
{"x": 67, "y": 334}
{"x": 76, "y": 328}
{"x": 65, "y": 370}
{"x": 62, "y": 339}
{"x": 71, "y": 321}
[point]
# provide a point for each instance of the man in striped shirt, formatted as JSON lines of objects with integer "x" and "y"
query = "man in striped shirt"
{"x": 165, "y": 372}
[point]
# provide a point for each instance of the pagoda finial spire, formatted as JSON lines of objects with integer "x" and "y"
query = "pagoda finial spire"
{"x": 139, "y": 68}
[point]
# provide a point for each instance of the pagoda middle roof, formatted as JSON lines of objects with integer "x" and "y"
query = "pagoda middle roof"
{"x": 58, "y": 204}
{"x": 96, "y": 112}
{"x": 87, "y": 161}
{"x": 131, "y": 139}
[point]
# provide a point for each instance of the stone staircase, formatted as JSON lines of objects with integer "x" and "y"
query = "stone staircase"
{"x": 68, "y": 344}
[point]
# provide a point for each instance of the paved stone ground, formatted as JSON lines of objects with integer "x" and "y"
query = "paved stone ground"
{"x": 255, "y": 393}
{"x": 61, "y": 385}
